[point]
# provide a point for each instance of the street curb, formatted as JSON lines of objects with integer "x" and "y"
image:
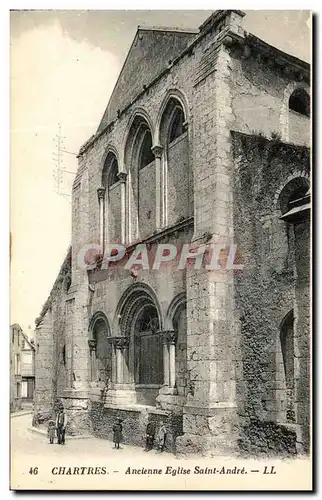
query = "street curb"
{"x": 44, "y": 433}
{"x": 21, "y": 414}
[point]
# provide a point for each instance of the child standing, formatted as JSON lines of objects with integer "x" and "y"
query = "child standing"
{"x": 117, "y": 433}
{"x": 162, "y": 432}
{"x": 51, "y": 431}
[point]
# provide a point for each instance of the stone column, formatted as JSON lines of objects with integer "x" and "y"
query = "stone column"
{"x": 121, "y": 345}
{"x": 166, "y": 364}
{"x": 122, "y": 177}
{"x": 172, "y": 358}
{"x": 101, "y": 202}
{"x": 122, "y": 392}
{"x": 157, "y": 151}
{"x": 92, "y": 349}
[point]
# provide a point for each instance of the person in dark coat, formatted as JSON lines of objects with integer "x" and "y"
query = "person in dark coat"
{"x": 117, "y": 433}
{"x": 150, "y": 434}
{"x": 61, "y": 423}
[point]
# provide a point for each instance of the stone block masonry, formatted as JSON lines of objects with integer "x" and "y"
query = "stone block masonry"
{"x": 221, "y": 355}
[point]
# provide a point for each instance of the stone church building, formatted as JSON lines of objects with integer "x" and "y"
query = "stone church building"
{"x": 204, "y": 141}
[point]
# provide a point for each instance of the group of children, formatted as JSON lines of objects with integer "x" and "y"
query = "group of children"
{"x": 152, "y": 435}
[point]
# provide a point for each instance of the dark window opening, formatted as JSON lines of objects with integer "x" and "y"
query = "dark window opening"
{"x": 296, "y": 195}
{"x": 287, "y": 345}
{"x": 113, "y": 176}
{"x": 176, "y": 127}
{"x": 146, "y": 156}
{"x": 110, "y": 171}
{"x": 300, "y": 102}
{"x": 148, "y": 348}
{"x": 64, "y": 355}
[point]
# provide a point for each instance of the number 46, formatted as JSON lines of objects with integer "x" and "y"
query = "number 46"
{"x": 33, "y": 470}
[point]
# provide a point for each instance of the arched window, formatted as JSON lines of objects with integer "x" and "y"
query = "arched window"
{"x": 294, "y": 199}
{"x": 114, "y": 170}
{"x": 178, "y": 181}
{"x": 102, "y": 361}
{"x": 110, "y": 212}
{"x": 146, "y": 156}
{"x": 110, "y": 171}
{"x": 141, "y": 200}
{"x": 287, "y": 347}
{"x": 176, "y": 125}
{"x": 148, "y": 348}
{"x": 300, "y": 102}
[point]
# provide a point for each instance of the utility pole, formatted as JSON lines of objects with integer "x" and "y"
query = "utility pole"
{"x": 58, "y": 157}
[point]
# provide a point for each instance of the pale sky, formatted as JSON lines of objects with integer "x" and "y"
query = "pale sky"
{"x": 64, "y": 65}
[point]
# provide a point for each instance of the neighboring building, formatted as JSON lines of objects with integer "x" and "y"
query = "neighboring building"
{"x": 22, "y": 368}
{"x": 204, "y": 141}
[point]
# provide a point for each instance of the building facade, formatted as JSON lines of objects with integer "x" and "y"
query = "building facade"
{"x": 22, "y": 369}
{"x": 203, "y": 144}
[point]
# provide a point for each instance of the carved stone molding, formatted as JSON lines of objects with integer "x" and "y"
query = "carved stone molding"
{"x": 120, "y": 342}
{"x": 92, "y": 344}
{"x": 101, "y": 193}
{"x": 169, "y": 336}
{"x": 157, "y": 151}
{"x": 122, "y": 176}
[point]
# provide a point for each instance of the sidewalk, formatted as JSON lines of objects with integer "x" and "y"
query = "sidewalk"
{"x": 20, "y": 413}
{"x": 43, "y": 432}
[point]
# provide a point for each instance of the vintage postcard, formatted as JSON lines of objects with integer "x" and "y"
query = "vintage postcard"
{"x": 160, "y": 331}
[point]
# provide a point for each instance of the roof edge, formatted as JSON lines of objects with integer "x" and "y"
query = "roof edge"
{"x": 169, "y": 29}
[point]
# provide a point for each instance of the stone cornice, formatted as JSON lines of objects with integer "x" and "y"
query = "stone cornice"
{"x": 255, "y": 47}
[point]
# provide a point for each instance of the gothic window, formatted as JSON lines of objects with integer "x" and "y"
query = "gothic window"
{"x": 176, "y": 125}
{"x": 110, "y": 171}
{"x": 148, "y": 348}
{"x": 110, "y": 206}
{"x": 146, "y": 156}
{"x": 300, "y": 102}
{"x": 287, "y": 345}
{"x": 113, "y": 176}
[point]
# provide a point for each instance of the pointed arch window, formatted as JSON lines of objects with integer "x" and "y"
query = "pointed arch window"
{"x": 146, "y": 156}
{"x": 176, "y": 128}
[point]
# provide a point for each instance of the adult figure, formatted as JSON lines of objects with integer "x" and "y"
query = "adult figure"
{"x": 61, "y": 422}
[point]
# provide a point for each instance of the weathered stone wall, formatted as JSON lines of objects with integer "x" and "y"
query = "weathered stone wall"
{"x": 260, "y": 95}
{"x": 265, "y": 288}
{"x": 226, "y": 366}
{"x": 134, "y": 424}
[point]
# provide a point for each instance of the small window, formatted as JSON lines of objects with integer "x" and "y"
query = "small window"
{"x": 300, "y": 102}
{"x": 146, "y": 156}
{"x": 176, "y": 126}
{"x": 64, "y": 355}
